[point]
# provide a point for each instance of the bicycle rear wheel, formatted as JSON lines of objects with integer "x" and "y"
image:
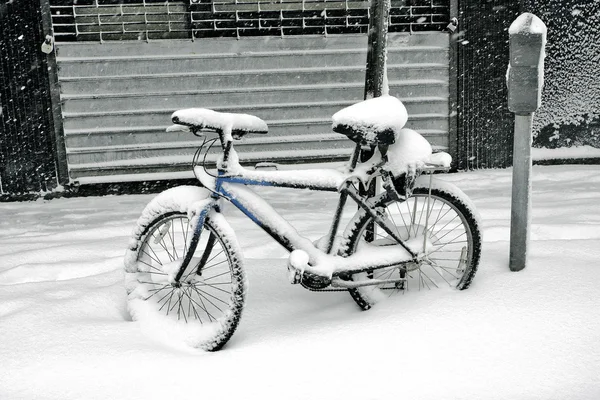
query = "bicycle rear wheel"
{"x": 444, "y": 226}
{"x": 204, "y": 307}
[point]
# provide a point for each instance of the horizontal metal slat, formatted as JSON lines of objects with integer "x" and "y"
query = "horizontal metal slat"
{"x": 228, "y": 80}
{"x": 244, "y": 99}
{"x": 265, "y": 61}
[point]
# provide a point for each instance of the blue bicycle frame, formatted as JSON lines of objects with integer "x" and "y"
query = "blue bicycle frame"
{"x": 232, "y": 187}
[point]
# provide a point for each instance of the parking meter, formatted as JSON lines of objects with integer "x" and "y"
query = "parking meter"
{"x": 525, "y": 77}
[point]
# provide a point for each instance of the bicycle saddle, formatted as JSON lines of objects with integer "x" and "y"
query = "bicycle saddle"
{"x": 203, "y": 118}
{"x": 372, "y": 122}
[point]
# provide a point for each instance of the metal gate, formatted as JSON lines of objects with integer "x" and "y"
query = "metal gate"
{"x": 117, "y": 96}
{"x": 27, "y": 141}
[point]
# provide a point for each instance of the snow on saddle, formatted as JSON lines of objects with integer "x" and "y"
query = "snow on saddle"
{"x": 196, "y": 119}
{"x": 372, "y": 122}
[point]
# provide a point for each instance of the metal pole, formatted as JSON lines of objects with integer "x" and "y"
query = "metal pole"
{"x": 520, "y": 216}
{"x": 379, "y": 13}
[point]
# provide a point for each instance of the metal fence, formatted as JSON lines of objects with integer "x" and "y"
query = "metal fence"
{"x": 27, "y": 159}
{"x": 158, "y": 19}
{"x": 485, "y": 126}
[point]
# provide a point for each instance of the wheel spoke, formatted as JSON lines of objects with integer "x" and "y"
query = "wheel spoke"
{"x": 394, "y": 223}
{"x": 212, "y": 285}
{"x": 421, "y": 216}
{"x": 214, "y": 297}
{"x": 153, "y": 273}
{"x": 447, "y": 269}
{"x": 169, "y": 300}
{"x": 215, "y": 256}
{"x": 151, "y": 283}
{"x": 214, "y": 265}
{"x": 171, "y": 234}
{"x": 156, "y": 255}
{"x": 207, "y": 299}
{"x": 152, "y": 258}
{"x": 179, "y": 308}
{"x": 448, "y": 223}
{"x": 194, "y": 308}
{"x": 210, "y": 316}
{"x": 216, "y": 276}
{"x": 169, "y": 308}
{"x": 440, "y": 274}
{"x": 155, "y": 291}
{"x": 440, "y": 217}
{"x": 162, "y": 244}
{"x": 446, "y": 244}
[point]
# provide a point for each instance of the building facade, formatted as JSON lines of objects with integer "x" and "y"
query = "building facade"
{"x": 120, "y": 68}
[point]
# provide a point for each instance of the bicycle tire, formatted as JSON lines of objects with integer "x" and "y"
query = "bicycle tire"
{"x": 446, "y": 197}
{"x": 205, "y": 309}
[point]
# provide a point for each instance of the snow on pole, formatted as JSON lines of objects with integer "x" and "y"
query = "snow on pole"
{"x": 525, "y": 78}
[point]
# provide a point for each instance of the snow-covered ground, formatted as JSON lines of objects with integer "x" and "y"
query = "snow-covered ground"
{"x": 65, "y": 332}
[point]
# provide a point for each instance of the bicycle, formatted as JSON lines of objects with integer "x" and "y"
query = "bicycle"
{"x": 184, "y": 267}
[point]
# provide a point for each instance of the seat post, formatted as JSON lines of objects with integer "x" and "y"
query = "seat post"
{"x": 355, "y": 156}
{"x": 226, "y": 145}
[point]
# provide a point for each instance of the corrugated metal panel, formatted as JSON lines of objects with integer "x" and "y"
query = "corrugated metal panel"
{"x": 117, "y": 97}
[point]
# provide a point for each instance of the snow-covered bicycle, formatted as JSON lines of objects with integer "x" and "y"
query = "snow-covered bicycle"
{"x": 184, "y": 266}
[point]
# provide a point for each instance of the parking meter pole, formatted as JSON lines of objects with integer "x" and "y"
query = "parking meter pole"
{"x": 520, "y": 215}
{"x": 527, "y": 38}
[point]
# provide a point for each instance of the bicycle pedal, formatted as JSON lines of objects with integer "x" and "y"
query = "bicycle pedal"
{"x": 294, "y": 275}
{"x": 297, "y": 263}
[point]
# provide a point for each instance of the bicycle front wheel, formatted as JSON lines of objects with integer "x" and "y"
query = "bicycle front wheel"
{"x": 204, "y": 307}
{"x": 444, "y": 226}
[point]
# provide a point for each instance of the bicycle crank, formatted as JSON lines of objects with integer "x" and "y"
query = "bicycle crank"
{"x": 340, "y": 283}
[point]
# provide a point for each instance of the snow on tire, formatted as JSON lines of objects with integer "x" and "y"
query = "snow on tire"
{"x": 204, "y": 308}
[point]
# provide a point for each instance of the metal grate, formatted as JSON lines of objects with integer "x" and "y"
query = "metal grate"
{"x": 91, "y": 20}
{"x": 160, "y": 19}
{"x": 301, "y": 17}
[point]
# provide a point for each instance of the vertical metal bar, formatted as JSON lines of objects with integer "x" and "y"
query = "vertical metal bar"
{"x": 59, "y": 148}
{"x": 453, "y": 125}
{"x": 377, "y": 48}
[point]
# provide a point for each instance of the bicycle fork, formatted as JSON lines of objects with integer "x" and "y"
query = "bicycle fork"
{"x": 192, "y": 248}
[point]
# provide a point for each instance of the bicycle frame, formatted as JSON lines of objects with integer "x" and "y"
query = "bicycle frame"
{"x": 232, "y": 187}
